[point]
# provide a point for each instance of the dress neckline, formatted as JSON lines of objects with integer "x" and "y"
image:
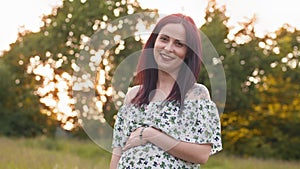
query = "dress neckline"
{"x": 170, "y": 101}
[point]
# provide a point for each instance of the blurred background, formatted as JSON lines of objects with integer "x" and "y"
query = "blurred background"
{"x": 257, "y": 42}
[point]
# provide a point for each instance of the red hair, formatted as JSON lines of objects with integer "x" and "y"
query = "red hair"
{"x": 147, "y": 71}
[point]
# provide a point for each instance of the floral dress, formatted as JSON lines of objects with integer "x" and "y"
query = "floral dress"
{"x": 198, "y": 122}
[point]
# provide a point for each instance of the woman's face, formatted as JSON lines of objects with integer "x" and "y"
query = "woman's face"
{"x": 169, "y": 48}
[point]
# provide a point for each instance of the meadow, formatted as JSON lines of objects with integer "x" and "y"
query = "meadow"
{"x": 46, "y": 153}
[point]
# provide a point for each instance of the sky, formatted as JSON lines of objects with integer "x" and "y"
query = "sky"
{"x": 270, "y": 14}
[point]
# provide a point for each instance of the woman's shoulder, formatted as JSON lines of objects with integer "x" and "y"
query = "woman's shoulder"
{"x": 131, "y": 93}
{"x": 197, "y": 92}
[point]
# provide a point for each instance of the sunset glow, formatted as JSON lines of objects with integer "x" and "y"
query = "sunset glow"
{"x": 61, "y": 106}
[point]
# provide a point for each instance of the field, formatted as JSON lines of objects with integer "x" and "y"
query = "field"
{"x": 45, "y": 153}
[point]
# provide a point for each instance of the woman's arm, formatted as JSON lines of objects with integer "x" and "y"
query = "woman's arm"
{"x": 191, "y": 152}
{"x": 117, "y": 151}
{"x": 116, "y": 154}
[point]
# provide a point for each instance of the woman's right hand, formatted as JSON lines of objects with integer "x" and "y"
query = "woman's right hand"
{"x": 135, "y": 140}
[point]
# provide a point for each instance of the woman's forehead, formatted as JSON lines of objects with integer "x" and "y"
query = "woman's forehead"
{"x": 175, "y": 31}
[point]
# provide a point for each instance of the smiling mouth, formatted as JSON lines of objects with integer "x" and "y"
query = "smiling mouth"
{"x": 166, "y": 57}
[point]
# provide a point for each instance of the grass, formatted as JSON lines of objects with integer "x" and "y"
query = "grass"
{"x": 45, "y": 153}
{"x": 225, "y": 161}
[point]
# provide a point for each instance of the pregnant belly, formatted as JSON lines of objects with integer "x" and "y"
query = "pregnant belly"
{"x": 150, "y": 156}
{"x": 142, "y": 157}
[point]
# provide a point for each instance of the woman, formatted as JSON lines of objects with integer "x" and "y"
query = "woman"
{"x": 168, "y": 119}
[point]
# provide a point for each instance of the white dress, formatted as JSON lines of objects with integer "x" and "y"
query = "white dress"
{"x": 199, "y": 122}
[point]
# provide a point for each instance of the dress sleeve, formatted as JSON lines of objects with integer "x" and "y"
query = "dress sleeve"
{"x": 207, "y": 126}
{"x": 118, "y": 132}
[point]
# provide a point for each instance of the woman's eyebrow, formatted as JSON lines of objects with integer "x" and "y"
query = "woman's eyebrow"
{"x": 182, "y": 41}
{"x": 163, "y": 35}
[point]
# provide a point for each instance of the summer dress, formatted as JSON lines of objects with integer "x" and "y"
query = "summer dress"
{"x": 198, "y": 122}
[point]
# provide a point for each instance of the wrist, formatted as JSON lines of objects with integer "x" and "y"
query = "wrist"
{"x": 149, "y": 132}
{"x": 142, "y": 133}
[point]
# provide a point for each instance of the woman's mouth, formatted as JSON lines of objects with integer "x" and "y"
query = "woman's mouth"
{"x": 166, "y": 57}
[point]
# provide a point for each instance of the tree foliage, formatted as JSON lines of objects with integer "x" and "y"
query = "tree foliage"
{"x": 262, "y": 74}
{"x": 20, "y": 114}
{"x": 43, "y": 62}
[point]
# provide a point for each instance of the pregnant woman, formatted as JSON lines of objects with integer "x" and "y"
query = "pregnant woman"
{"x": 168, "y": 119}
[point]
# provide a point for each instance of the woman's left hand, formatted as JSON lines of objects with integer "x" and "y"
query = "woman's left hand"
{"x": 134, "y": 140}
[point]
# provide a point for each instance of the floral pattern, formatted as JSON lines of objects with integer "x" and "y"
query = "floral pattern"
{"x": 198, "y": 122}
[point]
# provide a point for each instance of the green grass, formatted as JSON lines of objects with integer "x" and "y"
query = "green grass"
{"x": 45, "y": 153}
{"x": 225, "y": 161}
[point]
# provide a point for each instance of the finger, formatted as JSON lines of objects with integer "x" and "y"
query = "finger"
{"x": 126, "y": 147}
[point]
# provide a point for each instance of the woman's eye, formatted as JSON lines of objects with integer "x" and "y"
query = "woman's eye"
{"x": 179, "y": 44}
{"x": 163, "y": 38}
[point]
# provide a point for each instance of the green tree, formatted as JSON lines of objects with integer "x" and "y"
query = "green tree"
{"x": 215, "y": 31}
{"x": 262, "y": 75}
{"x": 43, "y": 62}
{"x": 19, "y": 116}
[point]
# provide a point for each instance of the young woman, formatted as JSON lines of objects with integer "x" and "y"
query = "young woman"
{"x": 168, "y": 119}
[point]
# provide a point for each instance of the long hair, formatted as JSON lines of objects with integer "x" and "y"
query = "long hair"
{"x": 147, "y": 71}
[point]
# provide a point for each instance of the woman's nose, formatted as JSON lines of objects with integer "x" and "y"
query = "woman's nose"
{"x": 169, "y": 47}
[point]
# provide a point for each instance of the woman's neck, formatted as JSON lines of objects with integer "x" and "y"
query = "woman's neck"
{"x": 164, "y": 85}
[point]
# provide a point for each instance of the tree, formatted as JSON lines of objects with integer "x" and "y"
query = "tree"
{"x": 43, "y": 62}
{"x": 20, "y": 118}
{"x": 262, "y": 75}
{"x": 214, "y": 34}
